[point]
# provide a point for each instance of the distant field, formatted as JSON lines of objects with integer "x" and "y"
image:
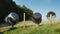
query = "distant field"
{"x": 41, "y": 29}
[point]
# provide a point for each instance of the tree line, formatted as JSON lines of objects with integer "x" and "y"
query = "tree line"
{"x": 8, "y": 6}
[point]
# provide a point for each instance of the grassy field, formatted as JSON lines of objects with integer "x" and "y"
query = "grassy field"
{"x": 41, "y": 29}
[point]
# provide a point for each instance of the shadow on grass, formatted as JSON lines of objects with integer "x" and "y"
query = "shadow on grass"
{"x": 57, "y": 30}
{"x": 12, "y": 28}
{"x": 17, "y": 27}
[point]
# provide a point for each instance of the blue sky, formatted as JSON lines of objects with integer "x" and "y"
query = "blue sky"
{"x": 41, "y": 6}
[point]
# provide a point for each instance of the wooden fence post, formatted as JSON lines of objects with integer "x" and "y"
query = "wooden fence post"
{"x": 24, "y": 20}
{"x": 24, "y": 17}
{"x": 51, "y": 18}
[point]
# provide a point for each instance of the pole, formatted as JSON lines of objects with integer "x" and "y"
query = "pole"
{"x": 24, "y": 20}
{"x": 24, "y": 17}
{"x": 51, "y": 18}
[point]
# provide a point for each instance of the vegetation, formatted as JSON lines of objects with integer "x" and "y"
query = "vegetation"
{"x": 42, "y": 29}
{"x": 8, "y": 6}
{"x": 29, "y": 12}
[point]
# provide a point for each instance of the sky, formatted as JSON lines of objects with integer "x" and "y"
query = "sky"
{"x": 41, "y": 6}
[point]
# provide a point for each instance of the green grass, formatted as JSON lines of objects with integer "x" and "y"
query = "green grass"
{"x": 42, "y": 29}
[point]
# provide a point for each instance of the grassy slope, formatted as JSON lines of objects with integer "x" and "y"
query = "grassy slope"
{"x": 43, "y": 29}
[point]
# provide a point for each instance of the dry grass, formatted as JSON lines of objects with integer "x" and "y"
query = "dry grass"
{"x": 45, "y": 28}
{"x": 42, "y": 29}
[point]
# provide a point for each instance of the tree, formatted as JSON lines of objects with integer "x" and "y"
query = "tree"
{"x": 51, "y": 15}
{"x": 29, "y": 12}
{"x": 8, "y": 6}
{"x": 23, "y": 9}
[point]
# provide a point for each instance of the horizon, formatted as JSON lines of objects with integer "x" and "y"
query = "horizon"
{"x": 41, "y": 6}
